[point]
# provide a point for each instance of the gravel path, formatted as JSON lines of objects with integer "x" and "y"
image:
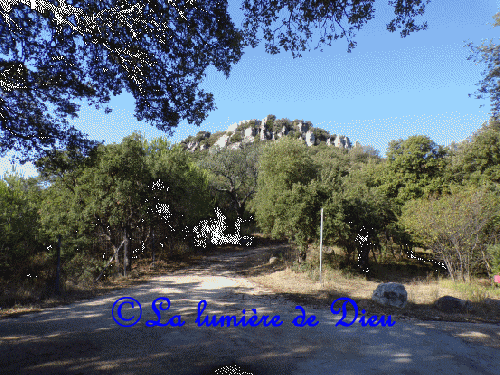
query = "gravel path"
{"x": 83, "y": 338}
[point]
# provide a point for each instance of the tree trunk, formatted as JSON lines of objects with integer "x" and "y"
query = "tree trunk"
{"x": 363, "y": 260}
{"x": 302, "y": 253}
{"x": 126, "y": 255}
{"x": 239, "y": 221}
{"x": 116, "y": 251}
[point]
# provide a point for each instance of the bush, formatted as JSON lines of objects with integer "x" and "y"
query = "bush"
{"x": 320, "y": 134}
{"x": 245, "y": 126}
{"x": 494, "y": 251}
{"x": 82, "y": 269}
{"x": 214, "y": 138}
{"x": 236, "y": 138}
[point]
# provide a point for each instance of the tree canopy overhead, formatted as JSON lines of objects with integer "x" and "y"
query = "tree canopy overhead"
{"x": 158, "y": 51}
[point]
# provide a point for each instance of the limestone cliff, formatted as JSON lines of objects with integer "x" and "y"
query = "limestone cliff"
{"x": 269, "y": 129}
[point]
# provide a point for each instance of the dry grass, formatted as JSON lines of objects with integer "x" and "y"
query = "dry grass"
{"x": 301, "y": 283}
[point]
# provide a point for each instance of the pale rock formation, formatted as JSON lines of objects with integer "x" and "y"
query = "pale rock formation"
{"x": 222, "y": 141}
{"x": 302, "y": 127}
{"x": 283, "y": 132}
{"x": 250, "y": 132}
{"x": 259, "y": 129}
{"x": 310, "y": 139}
{"x": 342, "y": 141}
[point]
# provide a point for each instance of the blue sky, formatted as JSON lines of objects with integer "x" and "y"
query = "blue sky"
{"x": 388, "y": 87}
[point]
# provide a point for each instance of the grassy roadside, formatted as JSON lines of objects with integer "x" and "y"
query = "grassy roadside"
{"x": 299, "y": 283}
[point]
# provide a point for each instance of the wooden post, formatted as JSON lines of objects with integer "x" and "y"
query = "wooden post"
{"x": 58, "y": 269}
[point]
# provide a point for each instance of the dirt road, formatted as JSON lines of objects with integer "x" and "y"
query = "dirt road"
{"x": 83, "y": 338}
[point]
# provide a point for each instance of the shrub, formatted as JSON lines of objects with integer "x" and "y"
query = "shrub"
{"x": 236, "y": 138}
{"x": 82, "y": 269}
{"x": 494, "y": 251}
{"x": 320, "y": 134}
{"x": 214, "y": 138}
{"x": 278, "y": 125}
{"x": 245, "y": 125}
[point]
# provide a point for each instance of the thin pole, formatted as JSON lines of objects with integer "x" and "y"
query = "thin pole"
{"x": 321, "y": 245}
{"x": 58, "y": 269}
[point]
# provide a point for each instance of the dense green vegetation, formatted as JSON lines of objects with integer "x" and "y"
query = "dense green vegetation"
{"x": 107, "y": 206}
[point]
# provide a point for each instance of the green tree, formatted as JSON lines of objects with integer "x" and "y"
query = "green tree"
{"x": 234, "y": 172}
{"x": 414, "y": 168}
{"x": 477, "y": 160}
{"x": 19, "y": 225}
{"x": 156, "y": 51}
{"x": 131, "y": 190}
{"x": 456, "y": 227}
{"x": 285, "y": 171}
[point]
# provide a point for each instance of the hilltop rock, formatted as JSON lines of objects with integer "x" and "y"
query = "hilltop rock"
{"x": 268, "y": 129}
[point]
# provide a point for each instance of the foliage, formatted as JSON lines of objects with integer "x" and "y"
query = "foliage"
{"x": 202, "y": 135}
{"x": 236, "y": 138}
{"x": 282, "y": 165}
{"x": 320, "y": 134}
{"x": 62, "y": 71}
{"x": 19, "y": 225}
{"x": 214, "y": 137}
{"x": 129, "y": 190}
{"x": 234, "y": 172}
{"x": 301, "y": 15}
{"x": 414, "y": 168}
{"x": 456, "y": 227}
{"x": 279, "y": 124}
{"x": 494, "y": 252}
{"x": 172, "y": 46}
{"x": 490, "y": 83}
{"x": 477, "y": 160}
{"x": 245, "y": 125}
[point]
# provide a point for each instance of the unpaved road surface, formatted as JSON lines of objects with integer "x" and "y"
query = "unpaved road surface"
{"x": 83, "y": 338}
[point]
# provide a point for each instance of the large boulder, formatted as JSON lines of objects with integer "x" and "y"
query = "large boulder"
{"x": 450, "y": 304}
{"x": 390, "y": 294}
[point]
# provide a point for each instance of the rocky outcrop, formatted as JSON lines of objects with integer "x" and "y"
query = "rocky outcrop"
{"x": 268, "y": 129}
{"x": 310, "y": 138}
